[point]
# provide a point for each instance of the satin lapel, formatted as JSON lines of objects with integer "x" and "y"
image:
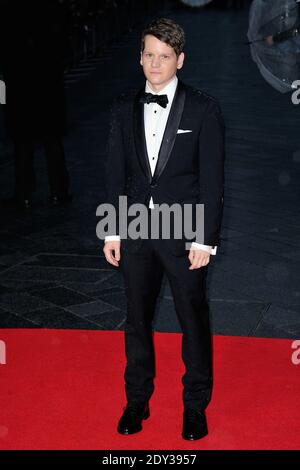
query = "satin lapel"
{"x": 171, "y": 130}
{"x": 139, "y": 135}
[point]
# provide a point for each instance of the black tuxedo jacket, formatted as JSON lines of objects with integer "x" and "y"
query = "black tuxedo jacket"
{"x": 190, "y": 166}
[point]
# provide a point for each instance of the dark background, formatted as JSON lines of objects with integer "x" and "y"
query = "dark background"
{"x": 52, "y": 272}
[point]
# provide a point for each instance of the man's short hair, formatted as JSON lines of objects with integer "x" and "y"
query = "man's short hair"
{"x": 168, "y": 31}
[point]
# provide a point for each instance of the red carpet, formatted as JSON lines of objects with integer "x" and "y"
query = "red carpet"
{"x": 63, "y": 389}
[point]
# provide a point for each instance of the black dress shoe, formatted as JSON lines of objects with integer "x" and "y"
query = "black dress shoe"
{"x": 131, "y": 420}
{"x": 194, "y": 425}
{"x": 60, "y": 199}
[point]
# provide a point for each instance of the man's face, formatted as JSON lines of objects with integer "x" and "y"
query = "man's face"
{"x": 160, "y": 62}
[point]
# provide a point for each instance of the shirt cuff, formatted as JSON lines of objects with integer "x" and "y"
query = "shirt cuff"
{"x": 212, "y": 250}
{"x": 112, "y": 238}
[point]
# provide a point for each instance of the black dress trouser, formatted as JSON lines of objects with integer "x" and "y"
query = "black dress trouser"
{"x": 143, "y": 272}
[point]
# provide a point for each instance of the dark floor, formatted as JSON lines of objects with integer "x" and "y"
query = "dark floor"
{"x": 52, "y": 272}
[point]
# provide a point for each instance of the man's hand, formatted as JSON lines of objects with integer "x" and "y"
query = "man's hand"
{"x": 112, "y": 252}
{"x": 198, "y": 258}
{"x": 269, "y": 40}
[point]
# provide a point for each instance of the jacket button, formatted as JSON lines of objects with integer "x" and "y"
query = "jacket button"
{"x": 153, "y": 185}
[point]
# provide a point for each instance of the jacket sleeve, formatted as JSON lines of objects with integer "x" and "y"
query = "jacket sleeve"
{"x": 211, "y": 172}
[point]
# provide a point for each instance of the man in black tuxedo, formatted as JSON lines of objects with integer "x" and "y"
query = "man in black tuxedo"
{"x": 166, "y": 145}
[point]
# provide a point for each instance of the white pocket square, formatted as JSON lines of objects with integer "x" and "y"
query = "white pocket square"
{"x": 183, "y": 131}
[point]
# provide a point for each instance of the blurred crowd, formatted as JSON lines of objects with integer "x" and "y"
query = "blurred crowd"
{"x": 39, "y": 41}
{"x": 88, "y": 25}
{"x": 92, "y": 24}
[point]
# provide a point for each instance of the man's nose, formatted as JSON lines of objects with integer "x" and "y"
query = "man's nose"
{"x": 155, "y": 62}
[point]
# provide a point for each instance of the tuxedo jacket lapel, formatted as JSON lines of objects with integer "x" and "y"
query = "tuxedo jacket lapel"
{"x": 139, "y": 135}
{"x": 170, "y": 130}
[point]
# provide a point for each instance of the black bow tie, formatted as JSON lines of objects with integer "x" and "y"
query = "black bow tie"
{"x": 162, "y": 100}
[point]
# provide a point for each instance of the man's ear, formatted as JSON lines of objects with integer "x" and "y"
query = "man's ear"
{"x": 141, "y": 58}
{"x": 180, "y": 60}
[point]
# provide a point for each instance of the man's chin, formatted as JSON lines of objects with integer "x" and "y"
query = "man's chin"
{"x": 157, "y": 80}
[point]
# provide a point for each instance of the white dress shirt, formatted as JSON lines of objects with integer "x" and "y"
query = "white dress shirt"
{"x": 155, "y": 119}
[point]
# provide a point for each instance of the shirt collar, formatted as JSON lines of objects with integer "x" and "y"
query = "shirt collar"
{"x": 168, "y": 90}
